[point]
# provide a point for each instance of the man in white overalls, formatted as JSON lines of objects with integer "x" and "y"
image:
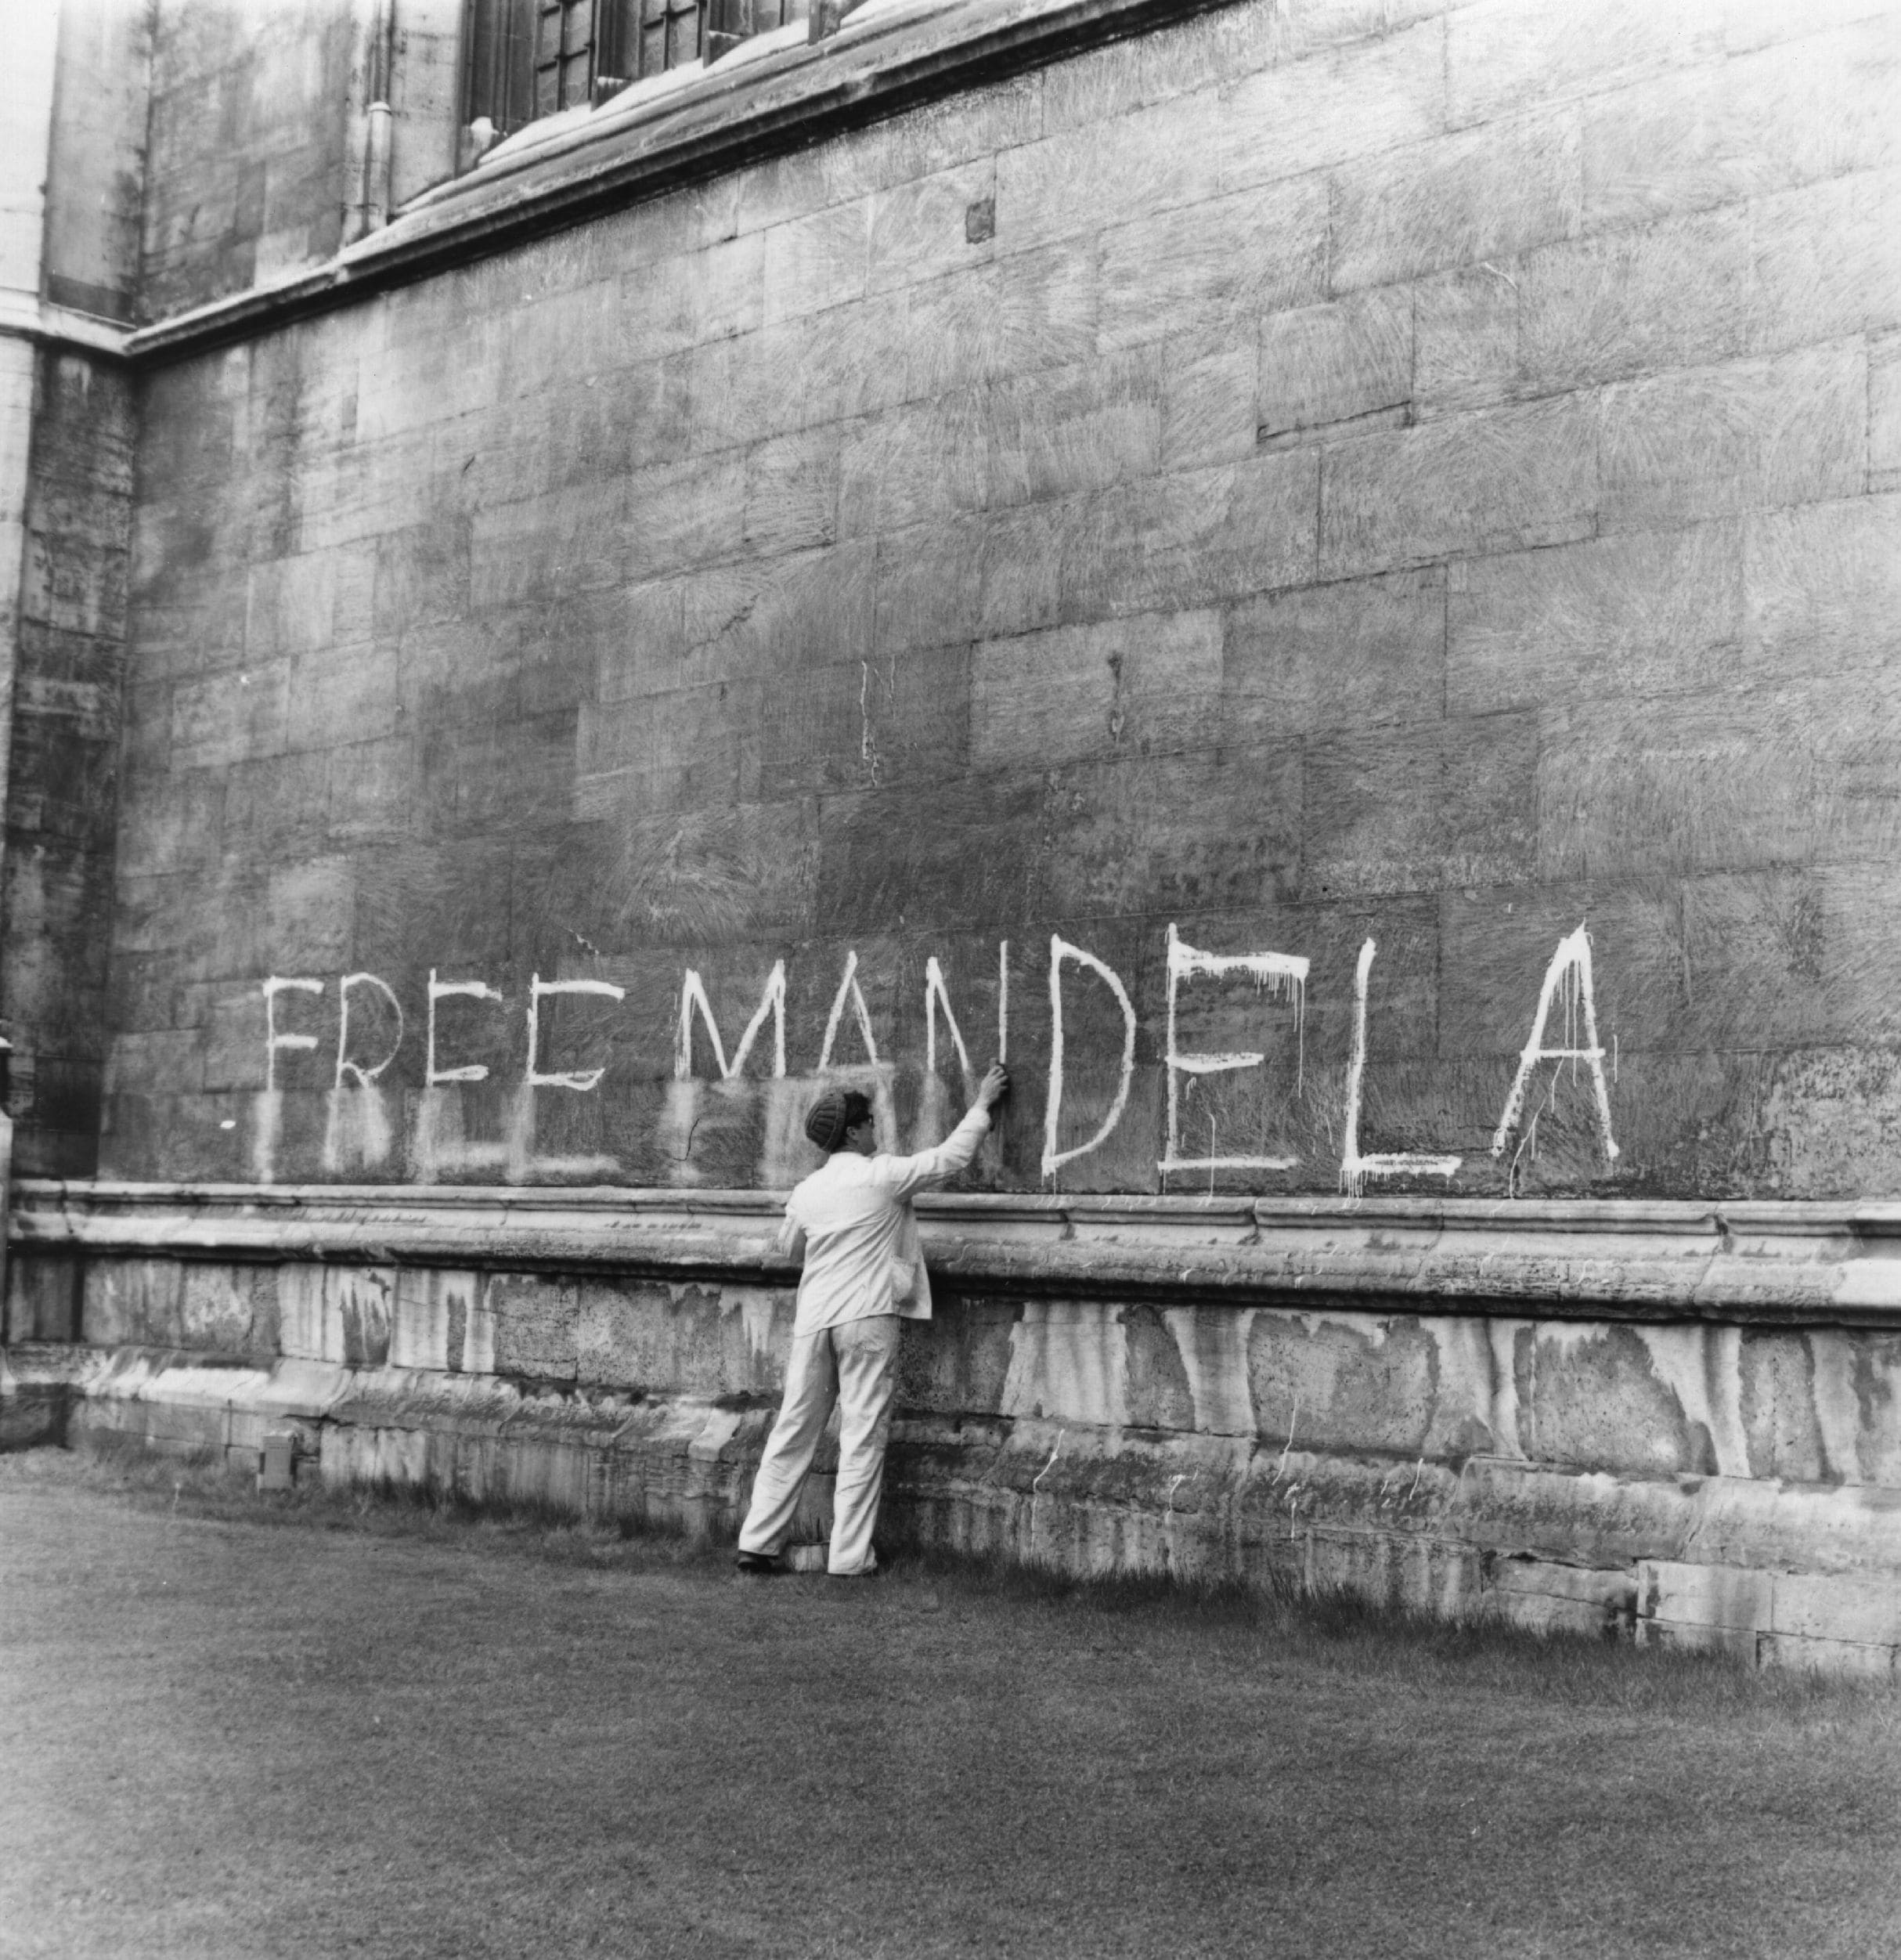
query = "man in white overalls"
{"x": 864, "y": 1273}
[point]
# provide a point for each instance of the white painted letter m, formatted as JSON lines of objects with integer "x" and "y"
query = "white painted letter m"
{"x": 693, "y": 994}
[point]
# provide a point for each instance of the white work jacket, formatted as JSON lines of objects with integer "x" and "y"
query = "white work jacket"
{"x": 852, "y": 1219}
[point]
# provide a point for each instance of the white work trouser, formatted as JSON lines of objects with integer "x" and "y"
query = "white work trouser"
{"x": 855, "y": 1363}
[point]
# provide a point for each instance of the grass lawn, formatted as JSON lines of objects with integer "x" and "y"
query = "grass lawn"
{"x": 261, "y": 1727}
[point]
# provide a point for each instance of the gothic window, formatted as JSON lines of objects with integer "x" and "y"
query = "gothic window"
{"x": 523, "y": 60}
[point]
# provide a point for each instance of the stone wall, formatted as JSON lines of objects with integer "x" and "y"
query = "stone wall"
{"x": 56, "y": 900}
{"x": 247, "y": 147}
{"x": 1305, "y": 477}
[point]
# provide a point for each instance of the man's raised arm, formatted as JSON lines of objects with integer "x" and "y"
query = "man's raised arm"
{"x": 903, "y": 1175}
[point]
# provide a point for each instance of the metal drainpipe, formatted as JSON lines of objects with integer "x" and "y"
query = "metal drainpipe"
{"x": 371, "y": 146}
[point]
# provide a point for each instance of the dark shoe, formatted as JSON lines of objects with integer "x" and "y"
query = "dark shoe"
{"x": 758, "y": 1564}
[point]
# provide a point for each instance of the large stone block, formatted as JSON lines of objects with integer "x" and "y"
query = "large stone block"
{"x": 920, "y": 464}
{"x": 369, "y": 790}
{"x": 1212, "y": 830}
{"x": 536, "y": 1323}
{"x": 227, "y": 717}
{"x": 1091, "y": 88}
{"x": 163, "y": 1059}
{"x": 1318, "y": 1381}
{"x": 1762, "y": 121}
{"x": 1823, "y": 587}
{"x": 1827, "y": 260}
{"x": 1646, "y": 614}
{"x": 1333, "y": 363}
{"x": 538, "y": 549}
{"x": 954, "y": 855}
{"x": 421, "y": 575}
{"x": 1345, "y": 655}
{"x": 1863, "y": 1007}
{"x": 1416, "y": 809}
{"x": 1505, "y": 479}
{"x": 215, "y": 1308}
{"x": 1622, "y": 1398}
{"x": 131, "y": 1302}
{"x": 971, "y": 125}
{"x": 305, "y": 917}
{"x": 1479, "y": 194}
{"x": 1022, "y": 572}
{"x": 176, "y": 823}
{"x": 1679, "y": 294}
{"x": 921, "y": 228}
{"x": 1503, "y": 56}
{"x": 669, "y": 305}
{"x": 1209, "y": 412}
{"x": 1150, "y": 683}
{"x": 278, "y": 808}
{"x": 1029, "y": 311}
{"x": 780, "y": 616}
{"x": 899, "y": 718}
{"x": 1168, "y": 543}
{"x": 1100, "y": 173}
{"x": 683, "y": 1340}
{"x": 1213, "y": 267}
{"x": 791, "y": 491}
{"x": 1776, "y": 1401}
{"x": 801, "y": 371}
{"x": 1282, "y": 118}
{"x": 670, "y": 750}
{"x": 351, "y": 689}
{"x": 1074, "y": 428}
{"x": 818, "y": 261}
{"x": 43, "y": 1297}
{"x": 1748, "y": 436}
{"x": 930, "y": 584}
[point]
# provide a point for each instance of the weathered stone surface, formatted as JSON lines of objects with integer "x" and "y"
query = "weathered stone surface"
{"x": 1755, "y": 435}
{"x": 535, "y": 1325}
{"x": 1215, "y": 266}
{"x": 1149, "y": 683}
{"x": 1679, "y": 294}
{"x": 1456, "y": 200}
{"x": 1335, "y": 364}
{"x": 1503, "y": 56}
{"x": 1209, "y": 403}
{"x": 1183, "y": 540}
{"x": 1770, "y": 119}
{"x": 1331, "y": 656}
{"x": 1642, "y": 615}
{"x": 1384, "y": 89}
{"x": 1501, "y": 480}
{"x": 1350, "y": 486}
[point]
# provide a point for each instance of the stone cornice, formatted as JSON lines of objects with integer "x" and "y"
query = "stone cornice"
{"x": 739, "y": 111}
{"x": 59, "y": 328}
{"x": 1607, "y": 1259}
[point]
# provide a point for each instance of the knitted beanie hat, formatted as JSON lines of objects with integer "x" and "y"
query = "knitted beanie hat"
{"x": 835, "y": 1113}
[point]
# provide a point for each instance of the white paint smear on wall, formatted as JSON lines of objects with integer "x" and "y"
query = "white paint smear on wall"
{"x": 1069, "y": 1362}
{"x": 1212, "y": 1342}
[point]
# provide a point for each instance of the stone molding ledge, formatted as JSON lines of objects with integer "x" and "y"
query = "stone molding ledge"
{"x": 743, "y": 108}
{"x": 1769, "y": 1262}
{"x": 61, "y": 329}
